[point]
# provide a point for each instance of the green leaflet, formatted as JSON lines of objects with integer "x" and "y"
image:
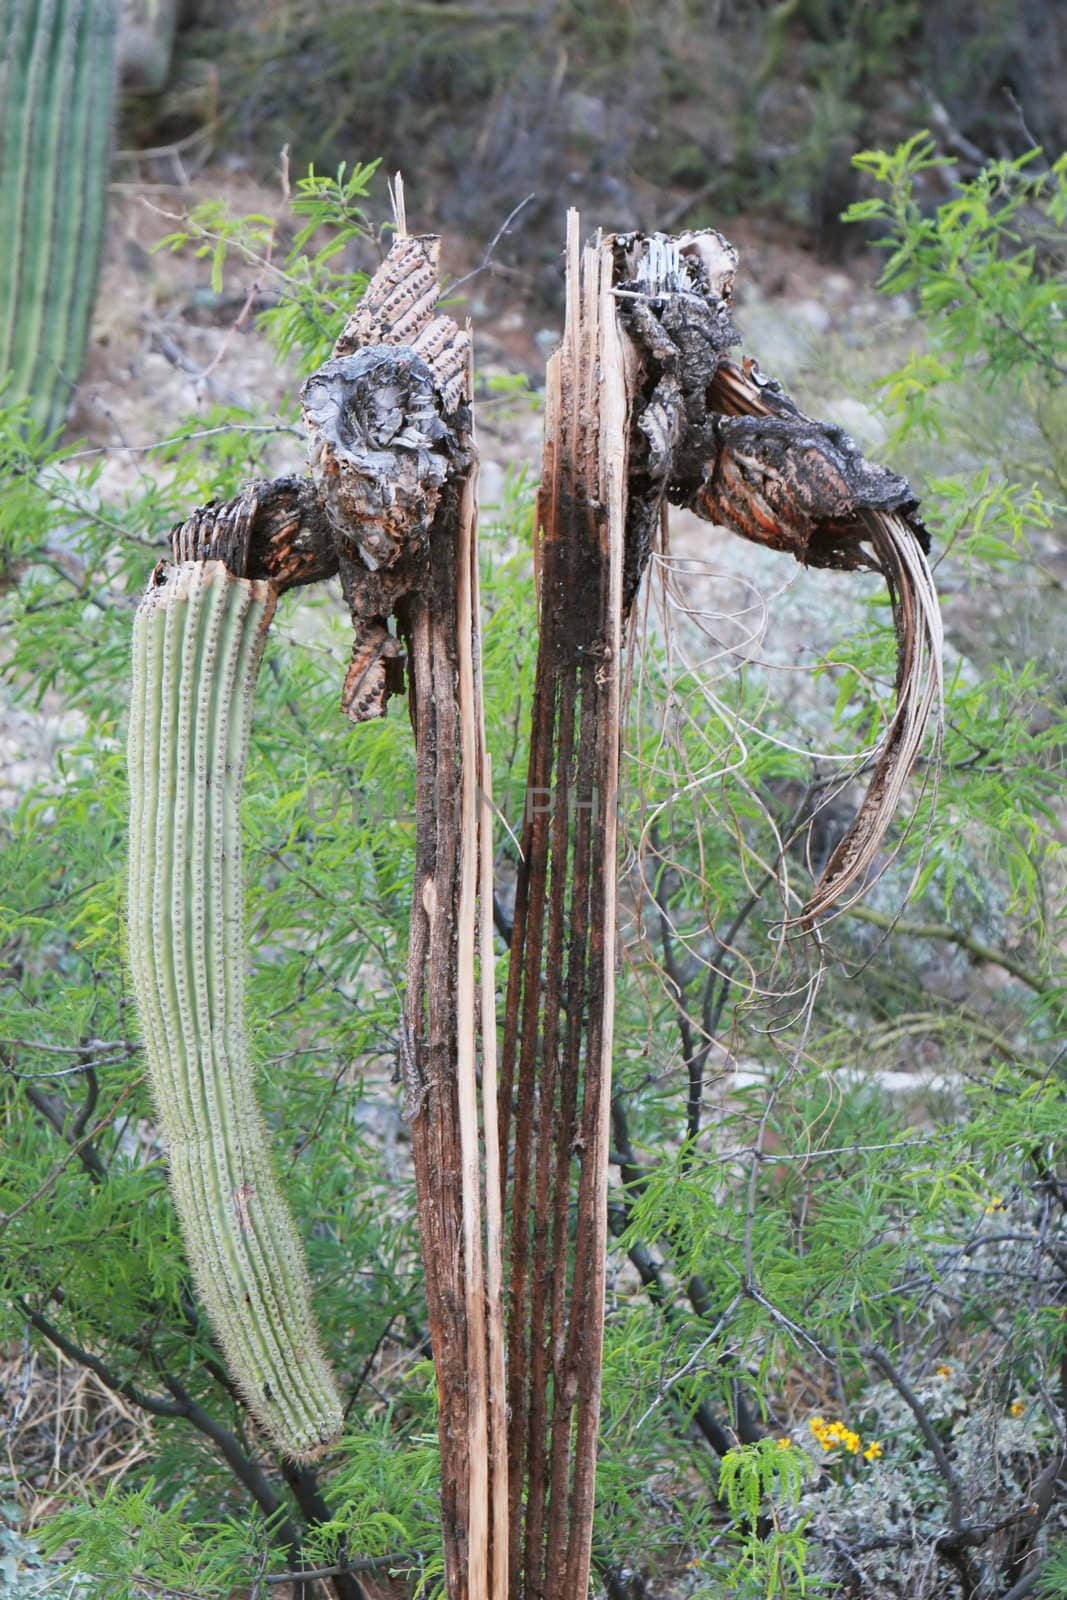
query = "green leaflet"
{"x": 198, "y": 641}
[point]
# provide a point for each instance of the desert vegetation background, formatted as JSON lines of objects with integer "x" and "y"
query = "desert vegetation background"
{"x": 835, "y": 1359}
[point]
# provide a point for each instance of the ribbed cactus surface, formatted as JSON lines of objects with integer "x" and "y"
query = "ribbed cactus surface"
{"x": 57, "y": 93}
{"x": 198, "y": 641}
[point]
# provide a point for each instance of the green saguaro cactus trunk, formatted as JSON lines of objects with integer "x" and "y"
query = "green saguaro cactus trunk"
{"x": 198, "y": 642}
{"x": 58, "y": 68}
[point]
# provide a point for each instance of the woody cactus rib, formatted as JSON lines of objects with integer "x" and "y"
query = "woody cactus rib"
{"x": 198, "y": 642}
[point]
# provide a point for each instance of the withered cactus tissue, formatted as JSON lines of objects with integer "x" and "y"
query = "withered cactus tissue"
{"x": 58, "y": 73}
{"x": 198, "y": 641}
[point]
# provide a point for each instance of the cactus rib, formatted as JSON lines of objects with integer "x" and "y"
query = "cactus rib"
{"x": 198, "y": 641}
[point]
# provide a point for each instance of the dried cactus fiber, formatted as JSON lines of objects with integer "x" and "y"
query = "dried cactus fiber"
{"x": 387, "y": 417}
{"x": 718, "y": 437}
{"x": 198, "y": 641}
{"x": 58, "y": 69}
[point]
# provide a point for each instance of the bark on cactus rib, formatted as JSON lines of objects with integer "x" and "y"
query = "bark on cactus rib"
{"x": 198, "y": 642}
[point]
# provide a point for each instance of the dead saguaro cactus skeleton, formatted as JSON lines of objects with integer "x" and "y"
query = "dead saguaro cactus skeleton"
{"x": 645, "y": 407}
{"x": 393, "y": 458}
{"x": 390, "y": 507}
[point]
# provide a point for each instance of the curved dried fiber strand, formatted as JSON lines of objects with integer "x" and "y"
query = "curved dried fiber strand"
{"x": 920, "y": 698}
{"x": 877, "y": 510}
{"x": 198, "y": 641}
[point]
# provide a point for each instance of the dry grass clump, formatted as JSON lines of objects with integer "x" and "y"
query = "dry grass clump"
{"x": 65, "y": 1432}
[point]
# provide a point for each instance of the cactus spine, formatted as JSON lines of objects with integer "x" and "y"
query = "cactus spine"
{"x": 57, "y": 90}
{"x": 198, "y": 642}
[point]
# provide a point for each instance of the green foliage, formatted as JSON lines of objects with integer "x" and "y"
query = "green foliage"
{"x": 122, "y": 1538}
{"x": 819, "y": 78}
{"x": 25, "y": 1573}
{"x": 1053, "y": 1581}
{"x": 755, "y": 1479}
{"x": 57, "y": 91}
{"x": 318, "y": 291}
{"x": 973, "y": 266}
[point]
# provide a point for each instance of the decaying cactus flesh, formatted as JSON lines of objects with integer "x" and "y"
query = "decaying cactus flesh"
{"x": 198, "y": 641}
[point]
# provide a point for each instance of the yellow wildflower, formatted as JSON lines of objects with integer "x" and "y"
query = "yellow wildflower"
{"x": 944, "y": 1372}
{"x": 784, "y": 1444}
{"x": 996, "y": 1204}
{"x": 873, "y": 1450}
{"x": 1017, "y": 1408}
{"x": 821, "y": 1429}
{"x": 831, "y": 1434}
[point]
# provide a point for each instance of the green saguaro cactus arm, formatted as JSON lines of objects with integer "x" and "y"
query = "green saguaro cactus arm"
{"x": 58, "y": 69}
{"x": 198, "y": 640}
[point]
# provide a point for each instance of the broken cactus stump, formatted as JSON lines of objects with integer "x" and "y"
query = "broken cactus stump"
{"x": 644, "y": 409}
{"x": 558, "y": 1023}
{"x": 392, "y": 455}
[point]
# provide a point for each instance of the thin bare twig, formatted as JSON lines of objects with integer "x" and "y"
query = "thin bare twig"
{"x": 395, "y": 1561}
{"x": 487, "y": 259}
{"x": 965, "y": 941}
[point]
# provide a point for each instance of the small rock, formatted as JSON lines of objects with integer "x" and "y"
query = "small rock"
{"x": 837, "y": 286}
{"x": 585, "y": 115}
